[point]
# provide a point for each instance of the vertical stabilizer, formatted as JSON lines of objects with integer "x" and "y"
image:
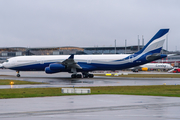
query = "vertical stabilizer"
{"x": 156, "y": 43}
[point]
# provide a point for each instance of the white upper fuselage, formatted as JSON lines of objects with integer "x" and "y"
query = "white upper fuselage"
{"x": 28, "y": 60}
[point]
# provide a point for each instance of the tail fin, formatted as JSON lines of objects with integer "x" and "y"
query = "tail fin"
{"x": 156, "y": 43}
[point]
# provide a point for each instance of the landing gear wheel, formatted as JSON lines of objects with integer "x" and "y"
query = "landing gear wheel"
{"x": 90, "y": 75}
{"x": 85, "y": 75}
{"x": 18, "y": 75}
{"x": 73, "y": 76}
{"x": 78, "y": 76}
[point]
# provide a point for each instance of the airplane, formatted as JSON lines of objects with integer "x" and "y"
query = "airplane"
{"x": 148, "y": 66}
{"x": 86, "y": 63}
{"x": 174, "y": 70}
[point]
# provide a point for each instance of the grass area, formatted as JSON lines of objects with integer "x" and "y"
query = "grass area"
{"x": 157, "y": 90}
{"x": 145, "y": 75}
{"x": 17, "y": 82}
{"x": 154, "y": 90}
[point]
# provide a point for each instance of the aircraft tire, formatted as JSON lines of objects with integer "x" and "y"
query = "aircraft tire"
{"x": 78, "y": 76}
{"x": 136, "y": 70}
{"x": 90, "y": 75}
{"x": 85, "y": 76}
{"x": 18, "y": 75}
{"x": 73, "y": 76}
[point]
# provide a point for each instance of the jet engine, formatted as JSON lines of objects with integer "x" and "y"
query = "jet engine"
{"x": 56, "y": 66}
{"x": 144, "y": 69}
{"x": 48, "y": 71}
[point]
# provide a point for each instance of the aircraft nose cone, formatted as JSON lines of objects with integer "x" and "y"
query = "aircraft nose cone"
{"x": 1, "y": 66}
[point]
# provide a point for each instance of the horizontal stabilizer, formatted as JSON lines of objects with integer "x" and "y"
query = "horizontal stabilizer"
{"x": 155, "y": 56}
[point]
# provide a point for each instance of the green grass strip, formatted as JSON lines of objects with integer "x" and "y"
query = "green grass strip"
{"x": 157, "y": 90}
{"x": 17, "y": 82}
{"x": 145, "y": 75}
{"x": 154, "y": 90}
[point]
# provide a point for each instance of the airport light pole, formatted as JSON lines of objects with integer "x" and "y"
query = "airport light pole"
{"x": 125, "y": 45}
{"x": 138, "y": 42}
{"x": 167, "y": 44}
{"x": 142, "y": 41}
{"x": 115, "y": 46}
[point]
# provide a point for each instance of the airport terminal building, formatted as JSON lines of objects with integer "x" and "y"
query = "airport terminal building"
{"x": 23, "y": 51}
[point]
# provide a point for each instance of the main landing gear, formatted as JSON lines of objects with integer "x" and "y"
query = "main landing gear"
{"x": 18, "y": 75}
{"x": 87, "y": 75}
{"x": 84, "y": 75}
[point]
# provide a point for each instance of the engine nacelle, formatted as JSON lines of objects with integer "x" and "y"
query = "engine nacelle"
{"x": 144, "y": 69}
{"x": 48, "y": 71}
{"x": 56, "y": 66}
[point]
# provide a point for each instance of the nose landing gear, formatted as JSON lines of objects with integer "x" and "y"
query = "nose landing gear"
{"x": 18, "y": 75}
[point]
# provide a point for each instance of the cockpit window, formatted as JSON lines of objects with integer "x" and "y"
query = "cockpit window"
{"x": 7, "y": 60}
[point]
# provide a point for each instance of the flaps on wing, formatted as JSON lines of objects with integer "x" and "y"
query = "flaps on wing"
{"x": 70, "y": 63}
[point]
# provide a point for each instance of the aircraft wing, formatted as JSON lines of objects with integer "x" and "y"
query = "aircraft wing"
{"x": 70, "y": 63}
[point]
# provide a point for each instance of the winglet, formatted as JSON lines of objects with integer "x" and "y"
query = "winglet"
{"x": 71, "y": 57}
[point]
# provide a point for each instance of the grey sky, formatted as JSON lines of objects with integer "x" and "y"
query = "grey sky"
{"x": 82, "y": 23}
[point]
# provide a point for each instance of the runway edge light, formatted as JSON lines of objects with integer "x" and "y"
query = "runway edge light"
{"x": 11, "y": 83}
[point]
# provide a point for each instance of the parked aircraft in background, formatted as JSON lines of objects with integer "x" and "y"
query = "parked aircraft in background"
{"x": 86, "y": 63}
{"x": 149, "y": 66}
{"x": 175, "y": 70}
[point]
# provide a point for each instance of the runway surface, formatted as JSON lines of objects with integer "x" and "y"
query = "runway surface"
{"x": 65, "y": 80}
{"x": 96, "y": 107}
{"x": 91, "y": 107}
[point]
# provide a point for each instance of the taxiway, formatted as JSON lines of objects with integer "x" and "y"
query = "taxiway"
{"x": 100, "y": 107}
{"x": 64, "y": 80}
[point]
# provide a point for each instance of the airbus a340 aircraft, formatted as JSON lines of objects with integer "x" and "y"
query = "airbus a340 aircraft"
{"x": 86, "y": 63}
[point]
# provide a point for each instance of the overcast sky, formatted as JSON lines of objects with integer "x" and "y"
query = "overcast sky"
{"x": 86, "y": 23}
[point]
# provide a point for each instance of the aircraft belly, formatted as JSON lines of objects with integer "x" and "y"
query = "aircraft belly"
{"x": 34, "y": 67}
{"x": 113, "y": 67}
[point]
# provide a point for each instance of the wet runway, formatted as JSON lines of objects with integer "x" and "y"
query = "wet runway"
{"x": 65, "y": 80}
{"x": 91, "y": 107}
{"x": 96, "y": 107}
